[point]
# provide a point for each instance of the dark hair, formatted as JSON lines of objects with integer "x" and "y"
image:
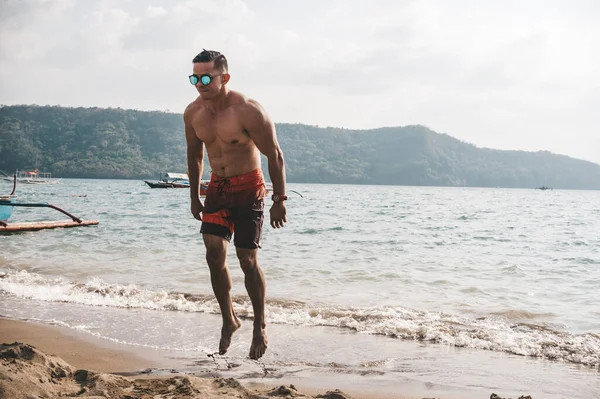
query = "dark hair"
{"x": 212, "y": 55}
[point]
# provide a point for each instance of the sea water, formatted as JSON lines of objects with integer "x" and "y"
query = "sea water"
{"x": 450, "y": 288}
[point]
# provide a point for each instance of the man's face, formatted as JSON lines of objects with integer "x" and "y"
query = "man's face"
{"x": 206, "y": 72}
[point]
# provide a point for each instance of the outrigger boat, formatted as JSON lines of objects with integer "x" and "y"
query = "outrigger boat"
{"x": 176, "y": 180}
{"x": 181, "y": 180}
{"x": 170, "y": 180}
{"x": 8, "y": 204}
{"x": 33, "y": 177}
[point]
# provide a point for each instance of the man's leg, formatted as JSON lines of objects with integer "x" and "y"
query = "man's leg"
{"x": 255, "y": 285}
{"x": 216, "y": 252}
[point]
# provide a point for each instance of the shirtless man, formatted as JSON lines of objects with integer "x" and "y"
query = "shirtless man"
{"x": 235, "y": 130}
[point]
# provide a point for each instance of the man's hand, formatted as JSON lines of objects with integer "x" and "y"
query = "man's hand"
{"x": 278, "y": 215}
{"x": 197, "y": 208}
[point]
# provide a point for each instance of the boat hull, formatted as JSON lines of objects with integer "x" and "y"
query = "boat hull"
{"x": 162, "y": 184}
{"x": 159, "y": 184}
{"x": 39, "y": 181}
{"x": 6, "y": 211}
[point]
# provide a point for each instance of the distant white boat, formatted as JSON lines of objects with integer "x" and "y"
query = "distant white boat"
{"x": 33, "y": 177}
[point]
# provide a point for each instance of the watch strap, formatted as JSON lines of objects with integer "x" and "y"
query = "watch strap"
{"x": 279, "y": 197}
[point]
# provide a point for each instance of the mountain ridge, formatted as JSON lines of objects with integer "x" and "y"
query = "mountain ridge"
{"x": 125, "y": 143}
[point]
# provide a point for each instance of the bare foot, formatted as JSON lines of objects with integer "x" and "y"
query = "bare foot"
{"x": 226, "y": 333}
{"x": 259, "y": 344}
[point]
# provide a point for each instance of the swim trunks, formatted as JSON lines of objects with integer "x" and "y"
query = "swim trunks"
{"x": 235, "y": 204}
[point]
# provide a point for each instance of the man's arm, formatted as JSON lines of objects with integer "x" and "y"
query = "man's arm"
{"x": 195, "y": 161}
{"x": 262, "y": 132}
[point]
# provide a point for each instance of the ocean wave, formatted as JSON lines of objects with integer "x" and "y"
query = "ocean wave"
{"x": 498, "y": 332}
{"x": 522, "y": 315}
{"x": 313, "y": 231}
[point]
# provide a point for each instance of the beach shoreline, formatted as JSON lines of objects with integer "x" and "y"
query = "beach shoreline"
{"x": 112, "y": 360}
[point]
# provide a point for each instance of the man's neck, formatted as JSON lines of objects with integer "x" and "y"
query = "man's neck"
{"x": 219, "y": 102}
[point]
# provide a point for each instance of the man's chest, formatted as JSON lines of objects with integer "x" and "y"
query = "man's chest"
{"x": 225, "y": 126}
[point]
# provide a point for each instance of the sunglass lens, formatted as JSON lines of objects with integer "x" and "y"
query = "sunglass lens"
{"x": 205, "y": 79}
{"x": 193, "y": 79}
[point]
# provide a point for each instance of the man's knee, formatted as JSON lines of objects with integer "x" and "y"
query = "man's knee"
{"x": 215, "y": 259}
{"x": 216, "y": 251}
{"x": 248, "y": 258}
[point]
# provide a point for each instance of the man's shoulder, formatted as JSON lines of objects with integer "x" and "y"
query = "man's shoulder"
{"x": 192, "y": 108}
{"x": 250, "y": 112}
{"x": 237, "y": 99}
{"x": 245, "y": 104}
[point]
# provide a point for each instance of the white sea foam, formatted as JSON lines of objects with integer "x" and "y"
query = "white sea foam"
{"x": 495, "y": 333}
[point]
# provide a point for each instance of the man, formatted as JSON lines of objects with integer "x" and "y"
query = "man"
{"x": 235, "y": 130}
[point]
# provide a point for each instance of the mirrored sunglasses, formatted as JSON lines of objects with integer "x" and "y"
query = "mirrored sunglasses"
{"x": 204, "y": 79}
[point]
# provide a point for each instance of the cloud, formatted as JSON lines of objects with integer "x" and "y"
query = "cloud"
{"x": 154, "y": 12}
{"x": 518, "y": 75}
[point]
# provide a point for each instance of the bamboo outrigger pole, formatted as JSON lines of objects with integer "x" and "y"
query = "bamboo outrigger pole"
{"x": 33, "y": 226}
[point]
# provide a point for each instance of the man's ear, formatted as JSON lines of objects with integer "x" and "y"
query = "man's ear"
{"x": 226, "y": 78}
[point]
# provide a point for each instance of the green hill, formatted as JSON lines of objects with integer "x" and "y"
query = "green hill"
{"x": 117, "y": 143}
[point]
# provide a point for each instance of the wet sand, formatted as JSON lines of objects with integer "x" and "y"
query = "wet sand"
{"x": 40, "y": 360}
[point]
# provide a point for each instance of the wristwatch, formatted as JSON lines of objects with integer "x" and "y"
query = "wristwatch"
{"x": 279, "y": 198}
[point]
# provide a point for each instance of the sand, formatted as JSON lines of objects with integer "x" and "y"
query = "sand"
{"x": 27, "y": 372}
{"x": 78, "y": 352}
{"x": 41, "y": 361}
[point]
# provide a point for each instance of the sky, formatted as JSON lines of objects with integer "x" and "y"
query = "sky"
{"x": 520, "y": 75}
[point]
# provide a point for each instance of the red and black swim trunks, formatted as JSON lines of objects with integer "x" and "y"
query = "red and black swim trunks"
{"x": 234, "y": 206}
